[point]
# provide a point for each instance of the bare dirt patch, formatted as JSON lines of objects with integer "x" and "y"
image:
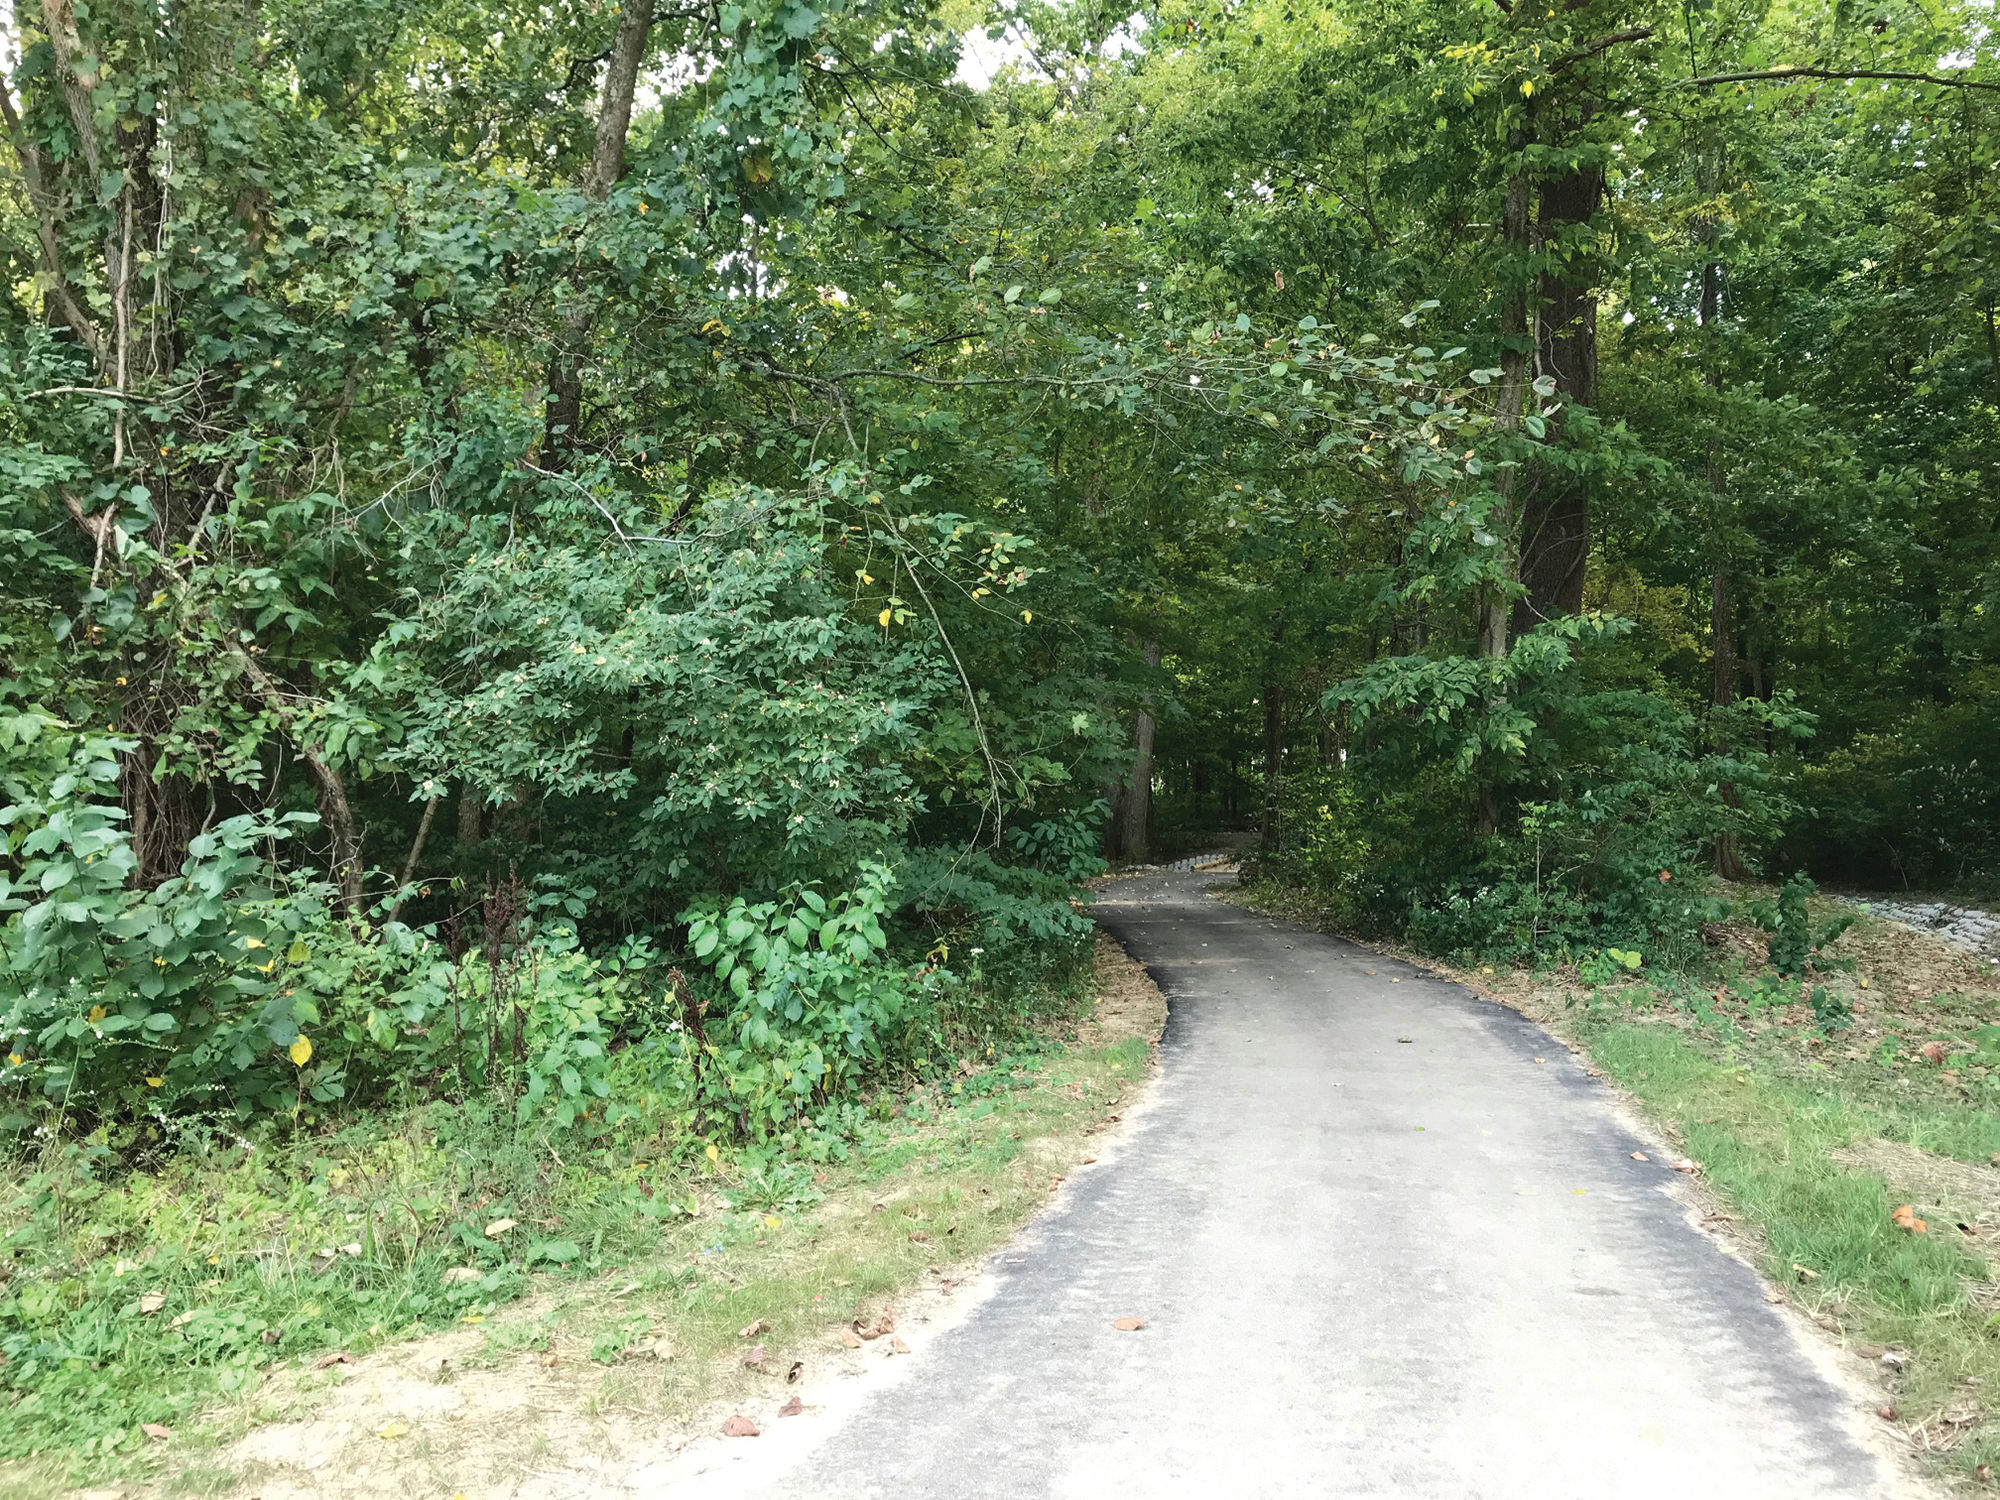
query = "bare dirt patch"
{"x": 1129, "y": 1004}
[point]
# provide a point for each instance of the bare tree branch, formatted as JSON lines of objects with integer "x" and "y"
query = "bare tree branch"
{"x": 1838, "y": 75}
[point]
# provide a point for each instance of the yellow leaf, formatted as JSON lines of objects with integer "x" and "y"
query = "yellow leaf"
{"x": 772, "y": 1221}
{"x": 96, "y": 1014}
{"x": 253, "y": 942}
{"x": 394, "y": 1430}
{"x": 297, "y": 953}
{"x": 1527, "y": 88}
{"x": 884, "y": 617}
{"x": 300, "y": 1051}
{"x": 713, "y": 1154}
{"x": 498, "y": 1227}
{"x": 154, "y": 1083}
{"x": 1027, "y": 617}
{"x": 14, "y": 1058}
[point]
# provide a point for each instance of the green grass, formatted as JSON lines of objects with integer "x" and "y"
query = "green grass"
{"x": 230, "y": 1241}
{"x": 1767, "y": 1146}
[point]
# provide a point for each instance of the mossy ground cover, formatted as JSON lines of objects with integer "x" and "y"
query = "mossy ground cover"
{"x": 1814, "y": 1137}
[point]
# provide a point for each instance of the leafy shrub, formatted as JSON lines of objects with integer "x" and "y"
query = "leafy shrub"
{"x": 1797, "y": 942}
{"x": 814, "y": 1002}
{"x": 157, "y": 998}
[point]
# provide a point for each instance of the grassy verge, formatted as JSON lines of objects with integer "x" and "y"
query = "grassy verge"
{"x": 492, "y": 1303}
{"x": 1814, "y": 1137}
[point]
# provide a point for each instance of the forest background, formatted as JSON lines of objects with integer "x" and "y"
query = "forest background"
{"x": 606, "y": 572}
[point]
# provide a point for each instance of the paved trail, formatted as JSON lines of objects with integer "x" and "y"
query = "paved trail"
{"x": 1383, "y": 1249}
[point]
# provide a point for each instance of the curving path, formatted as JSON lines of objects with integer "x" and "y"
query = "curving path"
{"x": 1389, "y": 1240}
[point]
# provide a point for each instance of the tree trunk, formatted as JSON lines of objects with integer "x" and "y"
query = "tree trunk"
{"x": 1510, "y": 405}
{"x": 1274, "y": 753}
{"x": 1136, "y": 816}
{"x": 1728, "y": 861}
{"x": 1555, "y": 515}
{"x": 562, "y": 412}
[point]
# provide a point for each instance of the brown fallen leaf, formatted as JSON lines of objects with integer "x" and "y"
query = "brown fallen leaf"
{"x": 739, "y": 1426}
{"x": 791, "y": 1408}
{"x": 760, "y": 1326}
{"x": 1128, "y": 1325}
{"x": 897, "y": 1346}
{"x": 152, "y": 1302}
{"x": 1886, "y": 1413}
{"x": 1687, "y": 1164}
{"x": 1983, "y": 1473}
{"x": 270, "y": 1335}
{"x": 918, "y": 1237}
{"x": 327, "y": 1361}
{"x": 550, "y": 1359}
{"x": 1905, "y": 1217}
{"x": 1774, "y": 1296}
{"x": 1640, "y": 1156}
{"x": 850, "y": 1338}
{"x": 1089, "y": 1161}
{"x": 157, "y": 1431}
{"x": 1933, "y": 1051}
{"x": 755, "y": 1358}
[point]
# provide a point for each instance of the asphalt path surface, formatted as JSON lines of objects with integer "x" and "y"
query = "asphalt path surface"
{"x": 1388, "y": 1239}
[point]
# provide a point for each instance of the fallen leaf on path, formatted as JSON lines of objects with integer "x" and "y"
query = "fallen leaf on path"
{"x": 739, "y": 1427}
{"x": 1774, "y": 1296}
{"x": 755, "y": 1358}
{"x": 897, "y": 1346}
{"x": 1640, "y": 1156}
{"x": 791, "y": 1408}
{"x": 1933, "y": 1051}
{"x": 762, "y": 1325}
{"x": 1089, "y": 1161}
{"x": 1406, "y": 1039}
{"x": 1905, "y": 1217}
{"x": 327, "y": 1361}
{"x": 157, "y": 1431}
{"x": 798, "y": 1368}
{"x": 1128, "y": 1325}
{"x": 394, "y": 1430}
{"x": 1541, "y": 1059}
{"x": 850, "y": 1338}
{"x": 152, "y": 1302}
{"x": 1886, "y": 1413}
{"x": 1687, "y": 1164}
